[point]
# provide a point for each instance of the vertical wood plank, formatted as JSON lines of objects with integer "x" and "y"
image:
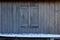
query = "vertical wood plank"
{"x": 0, "y": 18}
{"x": 56, "y": 26}
{"x": 10, "y": 17}
{"x": 4, "y": 18}
{"x": 41, "y": 17}
{"x": 52, "y": 17}
{"x": 57, "y": 20}
{"x": 15, "y": 17}
{"x": 44, "y": 17}
{"x": 24, "y": 18}
{"x": 34, "y": 18}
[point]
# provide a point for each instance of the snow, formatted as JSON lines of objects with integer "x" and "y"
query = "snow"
{"x": 31, "y": 35}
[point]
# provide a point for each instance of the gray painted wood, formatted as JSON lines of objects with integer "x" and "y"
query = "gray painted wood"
{"x": 30, "y": 18}
{"x": 57, "y": 17}
{"x": 44, "y": 17}
{"x": 10, "y": 17}
{"x": 0, "y": 17}
{"x": 51, "y": 18}
{"x": 4, "y": 18}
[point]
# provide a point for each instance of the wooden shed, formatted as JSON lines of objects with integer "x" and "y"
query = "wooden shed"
{"x": 31, "y": 17}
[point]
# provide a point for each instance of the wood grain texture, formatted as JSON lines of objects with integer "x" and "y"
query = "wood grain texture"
{"x": 57, "y": 17}
{"x": 30, "y": 18}
{"x": 0, "y": 17}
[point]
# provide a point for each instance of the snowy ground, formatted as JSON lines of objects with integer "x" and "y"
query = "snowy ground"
{"x": 31, "y": 35}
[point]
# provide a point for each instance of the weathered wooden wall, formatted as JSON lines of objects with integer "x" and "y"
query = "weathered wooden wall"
{"x": 41, "y": 17}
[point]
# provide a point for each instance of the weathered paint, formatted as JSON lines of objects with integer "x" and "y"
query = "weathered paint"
{"x": 29, "y": 18}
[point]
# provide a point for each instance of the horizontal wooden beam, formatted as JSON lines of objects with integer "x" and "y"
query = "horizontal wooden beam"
{"x": 29, "y": 0}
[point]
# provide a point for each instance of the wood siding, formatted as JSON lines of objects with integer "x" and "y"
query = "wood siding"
{"x": 30, "y": 18}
